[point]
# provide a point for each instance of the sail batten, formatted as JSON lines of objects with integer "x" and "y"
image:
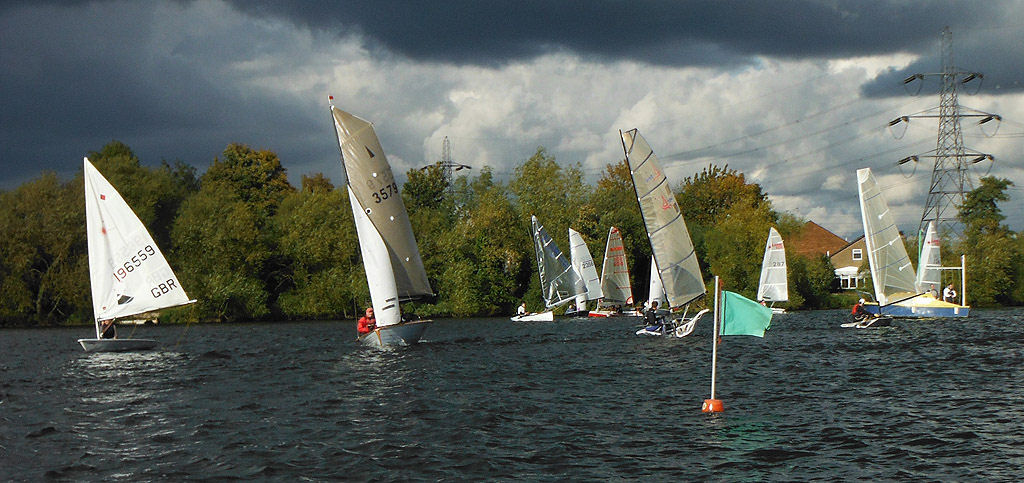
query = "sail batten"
{"x": 671, "y": 245}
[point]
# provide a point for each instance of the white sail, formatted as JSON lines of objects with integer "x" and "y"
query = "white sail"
{"x": 127, "y": 272}
{"x": 773, "y": 285}
{"x": 929, "y": 264}
{"x": 583, "y": 263}
{"x": 615, "y": 284}
{"x": 558, "y": 281}
{"x": 394, "y": 269}
{"x": 657, "y": 290}
{"x": 891, "y": 271}
{"x": 670, "y": 241}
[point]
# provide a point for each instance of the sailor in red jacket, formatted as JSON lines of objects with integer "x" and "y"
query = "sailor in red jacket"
{"x": 367, "y": 323}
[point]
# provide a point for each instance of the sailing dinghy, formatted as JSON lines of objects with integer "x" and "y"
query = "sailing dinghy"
{"x": 128, "y": 274}
{"x": 616, "y": 289}
{"x": 892, "y": 274}
{"x": 673, "y": 250}
{"x": 583, "y": 263}
{"x": 773, "y": 286}
{"x": 559, "y": 283}
{"x": 394, "y": 269}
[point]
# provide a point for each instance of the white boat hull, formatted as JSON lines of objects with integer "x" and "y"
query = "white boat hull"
{"x": 778, "y": 310}
{"x": 116, "y": 345}
{"x": 405, "y": 333}
{"x": 678, "y": 328}
{"x": 548, "y": 316}
{"x": 875, "y": 321}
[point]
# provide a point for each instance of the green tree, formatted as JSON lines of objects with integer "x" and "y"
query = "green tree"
{"x": 225, "y": 241}
{"x": 43, "y": 265}
{"x": 994, "y": 260}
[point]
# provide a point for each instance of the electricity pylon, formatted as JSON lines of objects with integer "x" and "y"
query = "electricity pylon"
{"x": 950, "y": 178}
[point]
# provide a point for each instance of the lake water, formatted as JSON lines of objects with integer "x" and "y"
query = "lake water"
{"x": 493, "y": 399}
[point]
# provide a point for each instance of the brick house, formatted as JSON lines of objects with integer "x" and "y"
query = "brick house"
{"x": 847, "y": 257}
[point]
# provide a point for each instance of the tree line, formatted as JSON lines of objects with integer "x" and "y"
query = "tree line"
{"x": 251, "y": 246}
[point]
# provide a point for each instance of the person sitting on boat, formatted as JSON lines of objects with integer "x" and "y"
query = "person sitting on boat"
{"x": 949, "y": 294}
{"x": 367, "y": 323}
{"x": 651, "y": 317}
{"x": 522, "y": 309}
{"x": 932, "y": 291}
{"x": 108, "y": 330}
{"x": 859, "y": 312}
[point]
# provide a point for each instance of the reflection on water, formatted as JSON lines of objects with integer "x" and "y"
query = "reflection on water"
{"x": 491, "y": 399}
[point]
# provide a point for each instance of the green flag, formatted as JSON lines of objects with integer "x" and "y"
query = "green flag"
{"x": 742, "y": 316}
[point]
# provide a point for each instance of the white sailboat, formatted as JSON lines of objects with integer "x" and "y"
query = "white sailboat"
{"x": 892, "y": 273}
{"x": 583, "y": 263}
{"x": 929, "y": 263}
{"x": 673, "y": 250}
{"x": 559, "y": 283}
{"x": 773, "y": 286}
{"x": 616, "y": 289}
{"x": 127, "y": 272}
{"x": 394, "y": 269}
{"x": 657, "y": 290}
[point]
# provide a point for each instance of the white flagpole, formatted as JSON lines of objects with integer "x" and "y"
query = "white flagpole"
{"x": 714, "y": 405}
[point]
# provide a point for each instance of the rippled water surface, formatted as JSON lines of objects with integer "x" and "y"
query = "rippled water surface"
{"x": 489, "y": 398}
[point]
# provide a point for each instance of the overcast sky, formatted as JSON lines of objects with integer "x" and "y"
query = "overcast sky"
{"x": 796, "y": 94}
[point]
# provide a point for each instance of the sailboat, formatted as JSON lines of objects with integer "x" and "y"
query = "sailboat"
{"x": 892, "y": 273}
{"x": 656, "y": 293}
{"x": 773, "y": 286}
{"x": 128, "y": 274}
{"x": 674, "y": 254}
{"x": 394, "y": 269}
{"x": 559, "y": 283}
{"x": 929, "y": 263}
{"x": 583, "y": 263}
{"x": 616, "y": 289}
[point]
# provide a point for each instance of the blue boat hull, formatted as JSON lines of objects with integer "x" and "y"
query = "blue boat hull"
{"x": 920, "y": 311}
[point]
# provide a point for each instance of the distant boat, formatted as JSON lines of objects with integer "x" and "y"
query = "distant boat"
{"x": 128, "y": 274}
{"x": 892, "y": 273}
{"x": 656, "y": 292}
{"x": 559, "y": 283}
{"x": 616, "y": 289}
{"x": 929, "y": 263}
{"x": 773, "y": 286}
{"x": 394, "y": 269}
{"x": 673, "y": 250}
{"x": 583, "y": 263}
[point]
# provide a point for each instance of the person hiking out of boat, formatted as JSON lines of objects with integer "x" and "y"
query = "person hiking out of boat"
{"x": 367, "y": 323}
{"x": 949, "y": 294}
{"x": 651, "y": 316}
{"x": 859, "y": 312}
{"x": 522, "y": 309}
{"x": 108, "y": 330}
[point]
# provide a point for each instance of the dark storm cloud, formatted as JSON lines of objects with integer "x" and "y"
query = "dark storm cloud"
{"x": 679, "y": 33}
{"x": 76, "y": 78}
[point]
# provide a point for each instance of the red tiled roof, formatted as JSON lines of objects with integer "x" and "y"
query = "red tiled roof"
{"x": 812, "y": 240}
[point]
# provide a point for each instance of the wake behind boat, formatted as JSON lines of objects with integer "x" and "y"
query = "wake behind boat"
{"x": 394, "y": 269}
{"x": 127, "y": 273}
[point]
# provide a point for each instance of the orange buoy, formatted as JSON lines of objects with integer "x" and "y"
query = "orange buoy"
{"x": 712, "y": 406}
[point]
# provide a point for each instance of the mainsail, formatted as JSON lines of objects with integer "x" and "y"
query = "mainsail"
{"x": 615, "y": 284}
{"x": 773, "y": 286}
{"x": 394, "y": 269}
{"x": 128, "y": 274}
{"x": 929, "y": 264}
{"x": 558, "y": 281}
{"x": 891, "y": 271}
{"x": 583, "y": 263}
{"x": 670, "y": 241}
